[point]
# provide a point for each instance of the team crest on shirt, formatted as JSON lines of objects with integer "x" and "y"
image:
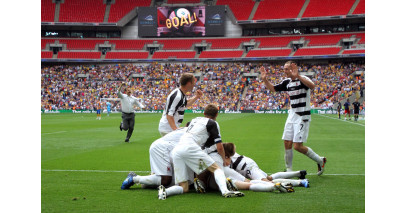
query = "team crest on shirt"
{"x": 168, "y": 169}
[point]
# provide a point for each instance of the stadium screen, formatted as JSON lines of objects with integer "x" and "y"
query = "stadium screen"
{"x": 192, "y": 21}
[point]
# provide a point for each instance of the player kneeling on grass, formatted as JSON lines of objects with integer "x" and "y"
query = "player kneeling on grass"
{"x": 188, "y": 154}
{"x": 160, "y": 161}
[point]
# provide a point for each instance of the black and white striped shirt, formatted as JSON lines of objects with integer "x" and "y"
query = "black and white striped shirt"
{"x": 299, "y": 95}
{"x": 175, "y": 106}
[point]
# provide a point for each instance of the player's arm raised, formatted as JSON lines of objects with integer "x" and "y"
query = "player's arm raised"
{"x": 266, "y": 82}
{"x": 306, "y": 81}
{"x": 192, "y": 100}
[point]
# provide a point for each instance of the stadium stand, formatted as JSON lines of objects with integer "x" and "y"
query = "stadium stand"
{"x": 360, "y": 9}
{"x": 80, "y": 55}
{"x": 80, "y": 44}
{"x": 122, "y": 7}
{"x": 129, "y": 44}
{"x": 278, "y": 9}
{"x": 82, "y": 11}
{"x": 44, "y": 42}
{"x": 241, "y": 9}
{"x": 275, "y": 41}
{"x": 47, "y": 11}
{"x": 317, "y": 51}
{"x": 182, "y": 1}
{"x": 126, "y": 55}
{"x": 46, "y": 54}
{"x": 268, "y": 53}
{"x": 221, "y": 54}
{"x": 178, "y": 44}
{"x": 325, "y": 40}
{"x": 226, "y": 43}
{"x": 317, "y": 8}
{"x": 354, "y": 51}
{"x": 174, "y": 54}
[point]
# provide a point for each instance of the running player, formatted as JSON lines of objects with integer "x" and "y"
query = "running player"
{"x": 347, "y": 110}
{"x": 356, "y": 106}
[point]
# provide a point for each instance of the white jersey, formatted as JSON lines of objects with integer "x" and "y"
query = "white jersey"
{"x": 159, "y": 152}
{"x": 204, "y": 131}
{"x": 175, "y": 106}
{"x": 247, "y": 167}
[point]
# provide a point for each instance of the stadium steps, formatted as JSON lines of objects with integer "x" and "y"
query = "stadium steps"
{"x": 106, "y": 13}
{"x": 254, "y": 10}
{"x": 57, "y": 10}
{"x": 303, "y": 9}
{"x": 244, "y": 93}
{"x": 353, "y": 7}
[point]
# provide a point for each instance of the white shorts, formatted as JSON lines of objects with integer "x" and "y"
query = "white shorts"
{"x": 160, "y": 158}
{"x": 187, "y": 154}
{"x": 255, "y": 173}
{"x": 296, "y": 129}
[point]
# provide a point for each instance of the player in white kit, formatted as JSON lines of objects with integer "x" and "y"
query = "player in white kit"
{"x": 176, "y": 103}
{"x": 160, "y": 161}
{"x": 189, "y": 154}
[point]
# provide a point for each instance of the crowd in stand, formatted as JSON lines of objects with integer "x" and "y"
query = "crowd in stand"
{"x": 83, "y": 87}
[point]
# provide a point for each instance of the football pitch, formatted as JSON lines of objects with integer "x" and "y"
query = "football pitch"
{"x": 84, "y": 161}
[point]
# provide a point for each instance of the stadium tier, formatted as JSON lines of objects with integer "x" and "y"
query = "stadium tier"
{"x": 177, "y": 54}
{"x": 268, "y": 53}
{"x": 278, "y": 9}
{"x": 317, "y": 8}
{"x": 46, "y": 54}
{"x": 324, "y": 40}
{"x": 360, "y": 9}
{"x": 355, "y": 51}
{"x": 126, "y": 55}
{"x": 226, "y": 43}
{"x": 129, "y": 44}
{"x": 241, "y": 9}
{"x": 317, "y": 51}
{"x": 182, "y": 1}
{"x": 221, "y": 54}
{"x": 47, "y": 11}
{"x": 79, "y": 55}
{"x": 82, "y": 11}
{"x": 80, "y": 44}
{"x": 362, "y": 37}
{"x": 178, "y": 44}
{"x": 275, "y": 41}
{"x": 121, "y": 7}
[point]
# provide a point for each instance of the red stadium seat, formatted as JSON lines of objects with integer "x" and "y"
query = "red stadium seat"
{"x": 317, "y": 51}
{"x": 278, "y": 9}
{"x": 226, "y": 43}
{"x": 129, "y": 44}
{"x": 221, "y": 54}
{"x": 44, "y": 42}
{"x": 360, "y": 9}
{"x": 177, "y": 54}
{"x": 268, "y": 53}
{"x": 80, "y": 44}
{"x": 355, "y": 51}
{"x": 122, "y": 7}
{"x": 126, "y": 55}
{"x": 82, "y": 11}
{"x": 183, "y": 1}
{"x": 241, "y": 9}
{"x": 178, "y": 44}
{"x": 318, "y": 8}
{"x": 324, "y": 40}
{"x": 79, "y": 55}
{"x": 46, "y": 54}
{"x": 275, "y": 41}
{"x": 47, "y": 11}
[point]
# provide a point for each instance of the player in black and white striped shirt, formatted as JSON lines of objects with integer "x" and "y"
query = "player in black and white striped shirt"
{"x": 298, "y": 121}
{"x": 176, "y": 104}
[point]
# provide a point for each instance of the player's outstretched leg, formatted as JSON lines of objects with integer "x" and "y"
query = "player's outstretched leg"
{"x": 129, "y": 181}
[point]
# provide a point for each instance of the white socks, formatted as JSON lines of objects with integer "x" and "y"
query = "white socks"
{"x": 288, "y": 159}
{"x": 261, "y": 187}
{"x": 151, "y": 180}
{"x": 312, "y": 155}
{"x": 220, "y": 179}
{"x": 174, "y": 190}
{"x": 285, "y": 175}
{"x": 293, "y": 182}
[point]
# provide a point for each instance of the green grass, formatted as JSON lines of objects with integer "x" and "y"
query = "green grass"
{"x": 85, "y": 160}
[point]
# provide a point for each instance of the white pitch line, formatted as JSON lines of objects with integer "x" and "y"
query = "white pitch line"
{"x": 106, "y": 171}
{"x": 53, "y": 133}
{"x": 341, "y": 120}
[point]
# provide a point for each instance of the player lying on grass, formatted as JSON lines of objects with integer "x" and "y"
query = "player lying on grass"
{"x": 249, "y": 176}
{"x": 188, "y": 154}
{"x": 160, "y": 161}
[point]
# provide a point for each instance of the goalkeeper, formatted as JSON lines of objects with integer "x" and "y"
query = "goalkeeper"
{"x": 127, "y": 110}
